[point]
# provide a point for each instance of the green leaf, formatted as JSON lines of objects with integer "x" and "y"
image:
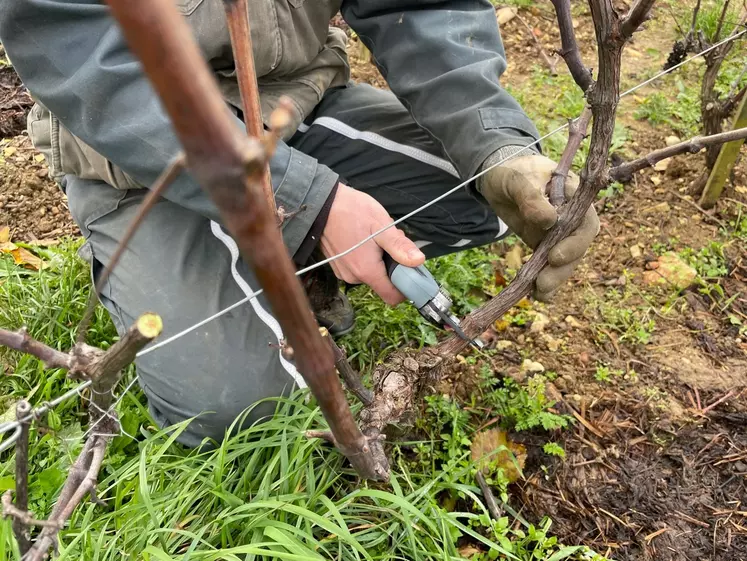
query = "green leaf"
{"x": 50, "y": 479}
{"x": 564, "y": 553}
{"x": 7, "y": 483}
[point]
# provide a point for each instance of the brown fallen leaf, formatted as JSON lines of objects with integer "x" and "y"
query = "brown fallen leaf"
{"x": 4, "y": 234}
{"x": 22, "y": 256}
{"x": 469, "y": 551}
{"x": 484, "y": 452}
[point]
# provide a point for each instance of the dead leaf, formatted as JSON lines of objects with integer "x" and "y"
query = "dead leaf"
{"x": 22, "y": 256}
{"x": 4, "y": 234}
{"x": 513, "y": 258}
{"x": 9, "y": 151}
{"x": 45, "y": 243}
{"x": 492, "y": 449}
{"x": 468, "y": 551}
{"x": 501, "y": 325}
{"x": 524, "y": 304}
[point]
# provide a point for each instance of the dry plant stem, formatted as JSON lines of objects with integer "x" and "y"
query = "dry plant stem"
{"x": 159, "y": 186}
{"x": 576, "y": 134}
{"x": 551, "y": 64}
{"x": 81, "y": 481}
{"x": 103, "y": 369}
{"x": 639, "y": 13}
{"x": 349, "y": 375}
{"x": 321, "y": 434}
{"x": 490, "y": 502}
{"x": 721, "y": 19}
{"x": 12, "y": 511}
{"x": 694, "y": 22}
{"x": 21, "y": 341}
{"x": 569, "y": 47}
{"x": 707, "y": 215}
{"x": 74, "y": 478}
{"x": 106, "y": 370}
{"x": 694, "y": 145}
{"x": 20, "y": 528}
{"x": 220, "y": 157}
{"x": 237, "y": 14}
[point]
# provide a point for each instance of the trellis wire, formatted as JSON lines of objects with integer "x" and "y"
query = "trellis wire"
{"x": 9, "y": 425}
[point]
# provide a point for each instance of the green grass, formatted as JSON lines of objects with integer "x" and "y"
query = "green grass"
{"x": 621, "y": 314}
{"x": 268, "y": 492}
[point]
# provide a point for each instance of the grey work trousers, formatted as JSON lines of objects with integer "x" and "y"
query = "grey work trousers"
{"x": 187, "y": 268}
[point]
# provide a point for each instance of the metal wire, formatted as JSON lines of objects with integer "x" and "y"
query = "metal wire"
{"x": 426, "y": 205}
{"x": 7, "y": 426}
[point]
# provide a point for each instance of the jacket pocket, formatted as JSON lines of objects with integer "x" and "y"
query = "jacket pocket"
{"x": 67, "y": 154}
{"x": 186, "y": 7}
{"x": 495, "y": 118}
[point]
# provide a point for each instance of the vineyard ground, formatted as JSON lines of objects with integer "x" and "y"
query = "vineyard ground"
{"x": 646, "y": 472}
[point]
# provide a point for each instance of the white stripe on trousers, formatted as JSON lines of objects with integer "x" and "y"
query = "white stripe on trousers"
{"x": 262, "y": 314}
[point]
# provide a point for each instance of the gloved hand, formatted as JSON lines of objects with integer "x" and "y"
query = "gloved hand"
{"x": 516, "y": 193}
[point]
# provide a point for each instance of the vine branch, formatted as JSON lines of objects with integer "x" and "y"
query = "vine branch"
{"x": 569, "y": 47}
{"x": 21, "y": 341}
{"x": 694, "y": 145}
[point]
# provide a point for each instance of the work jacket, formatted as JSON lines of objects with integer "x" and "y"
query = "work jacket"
{"x": 98, "y": 117}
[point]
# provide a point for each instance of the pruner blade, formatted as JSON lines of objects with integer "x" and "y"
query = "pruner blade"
{"x": 453, "y": 322}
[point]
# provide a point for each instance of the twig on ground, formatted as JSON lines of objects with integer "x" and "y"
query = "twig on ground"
{"x": 551, "y": 64}
{"x": 719, "y": 401}
{"x": 694, "y": 145}
{"x": 700, "y": 209}
{"x": 490, "y": 502}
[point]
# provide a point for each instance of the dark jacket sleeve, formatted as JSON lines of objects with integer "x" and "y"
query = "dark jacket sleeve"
{"x": 443, "y": 60}
{"x": 73, "y": 58}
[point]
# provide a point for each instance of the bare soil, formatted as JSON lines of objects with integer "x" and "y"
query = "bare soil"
{"x": 656, "y": 465}
{"x": 30, "y": 203}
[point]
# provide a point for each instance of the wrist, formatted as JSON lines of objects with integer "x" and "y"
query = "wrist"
{"x": 503, "y": 153}
{"x": 311, "y": 241}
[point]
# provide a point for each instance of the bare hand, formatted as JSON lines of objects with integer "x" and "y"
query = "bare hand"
{"x": 353, "y": 217}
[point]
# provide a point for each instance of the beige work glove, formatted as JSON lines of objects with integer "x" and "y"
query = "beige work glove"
{"x": 516, "y": 193}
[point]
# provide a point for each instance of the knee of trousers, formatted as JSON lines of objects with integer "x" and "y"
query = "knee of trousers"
{"x": 214, "y": 400}
{"x": 187, "y": 269}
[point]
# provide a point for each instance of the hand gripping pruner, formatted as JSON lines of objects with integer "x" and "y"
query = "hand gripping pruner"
{"x": 431, "y": 300}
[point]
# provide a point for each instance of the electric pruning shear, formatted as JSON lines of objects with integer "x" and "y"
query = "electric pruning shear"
{"x": 431, "y": 300}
